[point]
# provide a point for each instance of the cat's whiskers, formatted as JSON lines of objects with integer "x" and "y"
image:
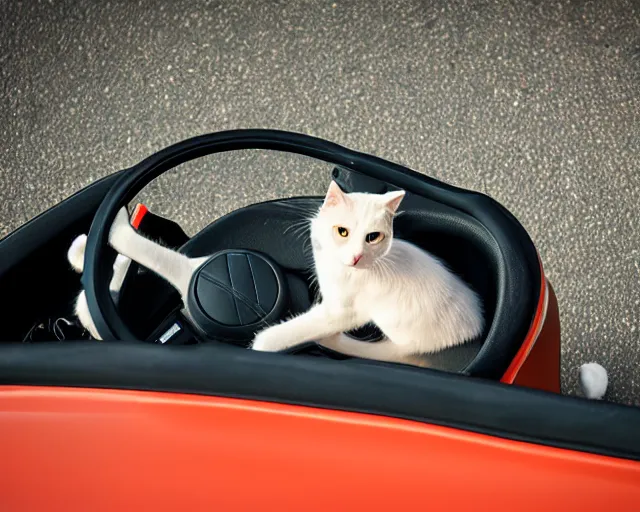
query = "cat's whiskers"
{"x": 300, "y": 230}
{"x": 393, "y": 270}
{"x": 388, "y": 269}
{"x": 298, "y": 227}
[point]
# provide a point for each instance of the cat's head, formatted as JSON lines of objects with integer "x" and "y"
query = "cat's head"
{"x": 356, "y": 229}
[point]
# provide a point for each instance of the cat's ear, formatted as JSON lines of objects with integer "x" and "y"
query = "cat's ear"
{"x": 334, "y": 196}
{"x": 392, "y": 200}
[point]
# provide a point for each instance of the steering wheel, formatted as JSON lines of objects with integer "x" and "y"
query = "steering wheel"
{"x": 199, "y": 280}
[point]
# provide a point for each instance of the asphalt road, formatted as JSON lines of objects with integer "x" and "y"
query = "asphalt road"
{"x": 535, "y": 103}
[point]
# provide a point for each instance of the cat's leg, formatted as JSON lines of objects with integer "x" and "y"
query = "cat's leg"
{"x": 120, "y": 268}
{"x": 81, "y": 309}
{"x": 384, "y": 350}
{"x": 171, "y": 265}
{"x": 82, "y": 313}
{"x": 75, "y": 255}
{"x": 315, "y": 324}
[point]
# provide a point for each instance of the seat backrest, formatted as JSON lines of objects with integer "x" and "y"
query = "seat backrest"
{"x": 484, "y": 244}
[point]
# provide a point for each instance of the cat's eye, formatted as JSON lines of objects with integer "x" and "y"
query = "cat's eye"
{"x": 374, "y": 238}
{"x": 343, "y": 232}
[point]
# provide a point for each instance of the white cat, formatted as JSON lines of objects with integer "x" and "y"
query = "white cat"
{"x": 366, "y": 275}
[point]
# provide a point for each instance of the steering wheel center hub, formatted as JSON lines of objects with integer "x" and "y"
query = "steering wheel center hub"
{"x": 236, "y": 293}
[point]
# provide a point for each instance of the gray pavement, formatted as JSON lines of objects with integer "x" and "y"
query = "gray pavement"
{"x": 535, "y": 103}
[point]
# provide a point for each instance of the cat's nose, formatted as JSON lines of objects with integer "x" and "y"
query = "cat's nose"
{"x": 356, "y": 259}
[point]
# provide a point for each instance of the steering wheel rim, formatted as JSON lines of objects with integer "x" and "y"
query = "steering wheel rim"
{"x": 99, "y": 256}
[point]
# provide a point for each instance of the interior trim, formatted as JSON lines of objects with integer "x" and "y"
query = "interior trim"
{"x": 534, "y": 331}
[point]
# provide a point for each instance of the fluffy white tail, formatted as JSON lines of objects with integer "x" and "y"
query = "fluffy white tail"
{"x": 593, "y": 381}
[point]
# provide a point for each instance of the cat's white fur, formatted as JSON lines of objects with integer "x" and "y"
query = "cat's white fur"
{"x": 75, "y": 255}
{"x": 420, "y": 306}
{"x": 593, "y": 381}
